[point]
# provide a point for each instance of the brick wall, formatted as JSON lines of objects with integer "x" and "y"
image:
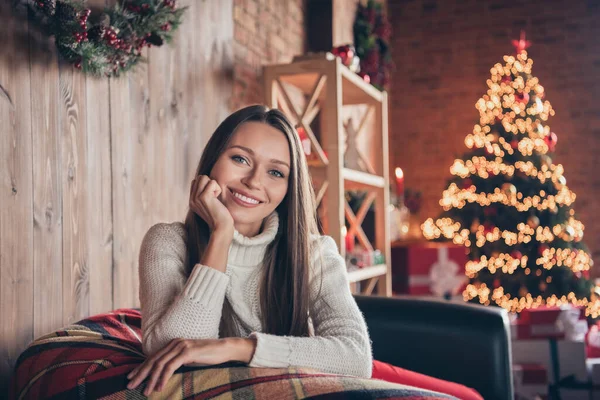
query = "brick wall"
{"x": 265, "y": 32}
{"x": 444, "y": 50}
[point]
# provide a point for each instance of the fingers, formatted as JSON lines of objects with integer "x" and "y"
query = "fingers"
{"x": 171, "y": 367}
{"x": 203, "y": 180}
{"x": 211, "y": 190}
{"x": 160, "y": 368}
{"x": 140, "y": 373}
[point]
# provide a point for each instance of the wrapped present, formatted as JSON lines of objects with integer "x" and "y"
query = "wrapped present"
{"x": 531, "y": 381}
{"x": 592, "y": 340}
{"x": 583, "y": 392}
{"x": 428, "y": 268}
{"x": 593, "y": 367}
{"x": 570, "y": 354}
{"x": 551, "y": 322}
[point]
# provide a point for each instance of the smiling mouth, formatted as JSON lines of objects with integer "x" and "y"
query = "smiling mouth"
{"x": 245, "y": 199}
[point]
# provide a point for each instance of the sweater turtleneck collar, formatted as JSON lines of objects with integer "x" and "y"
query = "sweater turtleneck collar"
{"x": 250, "y": 251}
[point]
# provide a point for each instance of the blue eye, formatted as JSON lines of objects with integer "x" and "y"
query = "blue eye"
{"x": 276, "y": 173}
{"x": 239, "y": 159}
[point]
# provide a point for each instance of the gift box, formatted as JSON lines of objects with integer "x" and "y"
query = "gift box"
{"x": 428, "y": 268}
{"x": 531, "y": 381}
{"x": 551, "y": 322}
{"x": 593, "y": 368}
{"x": 571, "y": 357}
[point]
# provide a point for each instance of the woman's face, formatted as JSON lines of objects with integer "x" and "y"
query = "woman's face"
{"x": 253, "y": 174}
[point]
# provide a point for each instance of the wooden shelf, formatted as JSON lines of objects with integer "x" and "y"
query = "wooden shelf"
{"x": 303, "y": 75}
{"x": 354, "y": 88}
{"x": 362, "y": 274}
{"x": 316, "y": 91}
{"x": 356, "y": 180}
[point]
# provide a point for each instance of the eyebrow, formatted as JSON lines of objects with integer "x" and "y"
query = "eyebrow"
{"x": 250, "y": 151}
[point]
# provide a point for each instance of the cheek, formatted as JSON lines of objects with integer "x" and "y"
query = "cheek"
{"x": 221, "y": 172}
{"x": 279, "y": 194}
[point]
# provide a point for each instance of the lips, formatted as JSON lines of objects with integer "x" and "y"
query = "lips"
{"x": 245, "y": 197}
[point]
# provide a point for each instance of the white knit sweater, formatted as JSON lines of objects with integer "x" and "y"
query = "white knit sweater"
{"x": 176, "y": 306}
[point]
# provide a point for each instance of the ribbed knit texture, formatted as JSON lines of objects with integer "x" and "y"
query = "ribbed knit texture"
{"x": 176, "y": 307}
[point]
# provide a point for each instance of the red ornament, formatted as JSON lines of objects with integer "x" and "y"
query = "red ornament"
{"x": 77, "y": 64}
{"x": 516, "y": 255}
{"x": 304, "y": 140}
{"x": 488, "y": 227}
{"x": 542, "y": 249}
{"x": 522, "y": 98}
{"x": 586, "y": 274}
{"x": 496, "y": 283}
{"x": 551, "y": 141}
{"x": 514, "y": 144}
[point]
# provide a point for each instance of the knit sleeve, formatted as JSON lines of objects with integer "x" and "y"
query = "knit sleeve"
{"x": 341, "y": 342}
{"x": 171, "y": 306}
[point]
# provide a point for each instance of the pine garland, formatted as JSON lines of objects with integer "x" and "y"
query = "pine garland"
{"x": 113, "y": 44}
{"x": 372, "y": 32}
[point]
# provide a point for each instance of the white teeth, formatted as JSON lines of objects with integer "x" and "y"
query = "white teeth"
{"x": 246, "y": 199}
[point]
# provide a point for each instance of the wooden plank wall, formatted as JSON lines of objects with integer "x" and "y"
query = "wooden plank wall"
{"x": 88, "y": 165}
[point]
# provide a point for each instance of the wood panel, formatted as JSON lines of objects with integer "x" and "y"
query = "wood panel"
{"x": 16, "y": 198}
{"x": 99, "y": 218}
{"x": 75, "y": 193}
{"x": 129, "y": 126}
{"x": 47, "y": 187}
{"x": 87, "y": 165}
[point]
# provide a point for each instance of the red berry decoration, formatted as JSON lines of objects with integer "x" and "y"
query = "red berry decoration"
{"x": 514, "y": 144}
{"x": 109, "y": 51}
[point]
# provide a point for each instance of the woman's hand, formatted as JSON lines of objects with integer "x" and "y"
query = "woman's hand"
{"x": 161, "y": 366}
{"x": 204, "y": 201}
{"x": 191, "y": 352}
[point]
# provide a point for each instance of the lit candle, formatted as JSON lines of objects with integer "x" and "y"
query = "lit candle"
{"x": 399, "y": 182}
{"x": 348, "y": 239}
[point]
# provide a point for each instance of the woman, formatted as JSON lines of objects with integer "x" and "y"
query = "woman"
{"x": 248, "y": 277}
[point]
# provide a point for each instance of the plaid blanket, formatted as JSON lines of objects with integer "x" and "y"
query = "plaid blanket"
{"x": 91, "y": 360}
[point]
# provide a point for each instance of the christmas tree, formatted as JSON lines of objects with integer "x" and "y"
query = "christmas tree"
{"x": 509, "y": 204}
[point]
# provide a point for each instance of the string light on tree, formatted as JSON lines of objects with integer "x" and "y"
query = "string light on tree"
{"x": 510, "y": 205}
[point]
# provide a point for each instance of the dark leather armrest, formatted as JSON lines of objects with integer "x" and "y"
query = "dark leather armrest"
{"x": 459, "y": 342}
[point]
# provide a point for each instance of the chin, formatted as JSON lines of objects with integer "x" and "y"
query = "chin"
{"x": 247, "y": 216}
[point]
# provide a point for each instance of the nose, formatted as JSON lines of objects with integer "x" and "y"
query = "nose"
{"x": 252, "y": 179}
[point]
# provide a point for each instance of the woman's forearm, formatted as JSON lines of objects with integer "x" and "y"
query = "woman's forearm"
{"x": 217, "y": 251}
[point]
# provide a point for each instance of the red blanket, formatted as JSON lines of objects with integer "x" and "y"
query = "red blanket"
{"x": 91, "y": 359}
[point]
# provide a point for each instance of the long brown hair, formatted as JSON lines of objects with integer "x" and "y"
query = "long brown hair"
{"x": 284, "y": 291}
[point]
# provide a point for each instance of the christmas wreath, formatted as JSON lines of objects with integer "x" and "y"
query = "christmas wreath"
{"x": 372, "y": 33}
{"x": 113, "y": 43}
